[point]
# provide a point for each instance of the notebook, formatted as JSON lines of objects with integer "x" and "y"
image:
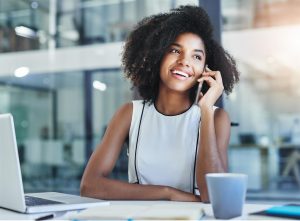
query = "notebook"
{"x": 11, "y": 186}
{"x": 159, "y": 211}
{"x": 285, "y": 211}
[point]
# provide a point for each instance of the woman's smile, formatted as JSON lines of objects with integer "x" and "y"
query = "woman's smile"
{"x": 180, "y": 74}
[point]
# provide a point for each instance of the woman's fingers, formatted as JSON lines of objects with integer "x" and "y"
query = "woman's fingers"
{"x": 218, "y": 77}
{"x": 215, "y": 74}
{"x": 207, "y": 68}
{"x": 210, "y": 80}
{"x": 215, "y": 84}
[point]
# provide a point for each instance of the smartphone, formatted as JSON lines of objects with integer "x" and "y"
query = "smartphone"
{"x": 202, "y": 87}
{"x": 198, "y": 92}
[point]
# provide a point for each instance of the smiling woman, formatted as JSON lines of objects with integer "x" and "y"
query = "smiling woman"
{"x": 183, "y": 61}
{"x": 173, "y": 143}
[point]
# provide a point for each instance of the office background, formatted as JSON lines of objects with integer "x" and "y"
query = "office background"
{"x": 61, "y": 78}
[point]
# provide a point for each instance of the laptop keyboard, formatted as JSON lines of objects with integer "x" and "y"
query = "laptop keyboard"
{"x": 34, "y": 201}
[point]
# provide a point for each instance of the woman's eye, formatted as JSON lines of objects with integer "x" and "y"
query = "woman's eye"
{"x": 173, "y": 50}
{"x": 198, "y": 57}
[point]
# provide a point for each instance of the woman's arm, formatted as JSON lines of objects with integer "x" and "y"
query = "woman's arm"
{"x": 212, "y": 152}
{"x": 214, "y": 133}
{"x": 95, "y": 182}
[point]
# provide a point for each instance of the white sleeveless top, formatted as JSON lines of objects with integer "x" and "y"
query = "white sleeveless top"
{"x": 163, "y": 149}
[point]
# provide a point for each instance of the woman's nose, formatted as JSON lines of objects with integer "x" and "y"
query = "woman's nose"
{"x": 183, "y": 60}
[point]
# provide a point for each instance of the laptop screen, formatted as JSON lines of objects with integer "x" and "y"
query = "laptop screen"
{"x": 11, "y": 186}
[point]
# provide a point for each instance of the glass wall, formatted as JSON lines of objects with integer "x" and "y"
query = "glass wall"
{"x": 263, "y": 37}
{"x": 110, "y": 91}
{"x": 31, "y": 25}
{"x": 46, "y": 125}
{"x": 24, "y": 25}
{"x": 61, "y": 110}
{"x": 49, "y": 113}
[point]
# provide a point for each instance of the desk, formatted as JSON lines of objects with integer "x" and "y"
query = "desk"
{"x": 248, "y": 208}
{"x": 289, "y": 161}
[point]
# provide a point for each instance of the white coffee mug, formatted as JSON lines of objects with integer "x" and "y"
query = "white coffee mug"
{"x": 227, "y": 193}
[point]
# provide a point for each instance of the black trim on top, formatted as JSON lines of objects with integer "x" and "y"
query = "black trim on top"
{"x": 172, "y": 115}
{"x": 136, "y": 145}
{"x": 195, "y": 160}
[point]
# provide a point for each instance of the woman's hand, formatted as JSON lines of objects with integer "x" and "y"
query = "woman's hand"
{"x": 178, "y": 195}
{"x": 215, "y": 83}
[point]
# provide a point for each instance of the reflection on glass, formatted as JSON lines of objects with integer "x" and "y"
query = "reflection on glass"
{"x": 105, "y": 103}
{"x": 263, "y": 37}
{"x": 49, "y": 116}
{"x": 26, "y": 25}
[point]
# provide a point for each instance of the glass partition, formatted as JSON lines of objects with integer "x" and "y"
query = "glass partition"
{"x": 61, "y": 117}
{"x": 110, "y": 92}
{"x": 33, "y": 25}
{"x": 49, "y": 116}
{"x": 263, "y": 37}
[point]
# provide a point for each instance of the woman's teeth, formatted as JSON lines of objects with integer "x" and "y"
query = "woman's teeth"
{"x": 181, "y": 73}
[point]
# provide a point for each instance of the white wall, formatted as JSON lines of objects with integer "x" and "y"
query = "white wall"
{"x": 63, "y": 59}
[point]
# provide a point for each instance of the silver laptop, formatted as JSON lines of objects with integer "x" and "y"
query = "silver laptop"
{"x": 11, "y": 186}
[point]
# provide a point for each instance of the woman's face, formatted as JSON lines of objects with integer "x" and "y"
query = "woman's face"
{"x": 183, "y": 63}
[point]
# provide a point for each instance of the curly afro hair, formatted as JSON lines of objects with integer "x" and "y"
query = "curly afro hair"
{"x": 150, "y": 39}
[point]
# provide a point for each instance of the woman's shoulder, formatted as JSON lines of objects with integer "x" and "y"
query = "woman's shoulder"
{"x": 125, "y": 109}
{"x": 128, "y": 109}
{"x": 137, "y": 103}
{"x": 123, "y": 113}
{"x": 220, "y": 114}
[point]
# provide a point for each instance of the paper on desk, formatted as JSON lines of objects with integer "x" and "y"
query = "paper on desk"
{"x": 171, "y": 212}
{"x": 158, "y": 211}
{"x": 110, "y": 212}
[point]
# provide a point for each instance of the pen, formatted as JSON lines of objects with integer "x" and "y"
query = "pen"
{"x": 50, "y": 216}
{"x": 203, "y": 214}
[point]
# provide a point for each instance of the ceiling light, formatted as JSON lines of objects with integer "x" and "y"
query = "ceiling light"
{"x": 34, "y": 5}
{"x": 25, "y": 32}
{"x": 99, "y": 85}
{"x": 21, "y": 72}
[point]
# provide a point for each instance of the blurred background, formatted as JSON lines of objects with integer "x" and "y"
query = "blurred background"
{"x": 61, "y": 78}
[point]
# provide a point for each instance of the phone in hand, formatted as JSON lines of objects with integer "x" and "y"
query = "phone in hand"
{"x": 198, "y": 92}
{"x": 202, "y": 87}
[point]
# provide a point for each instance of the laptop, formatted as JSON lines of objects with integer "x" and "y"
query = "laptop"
{"x": 11, "y": 185}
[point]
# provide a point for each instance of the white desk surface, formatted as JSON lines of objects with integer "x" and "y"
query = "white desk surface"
{"x": 248, "y": 208}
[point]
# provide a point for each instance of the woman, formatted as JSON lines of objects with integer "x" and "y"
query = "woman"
{"x": 173, "y": 139}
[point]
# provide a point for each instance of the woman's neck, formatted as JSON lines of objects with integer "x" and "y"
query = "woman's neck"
{"x": 172, "y": 103}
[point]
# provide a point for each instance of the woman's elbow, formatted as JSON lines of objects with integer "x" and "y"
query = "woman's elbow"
{"x": 87, "y": 187}
{"x": 91, "y": 188}
{"x": 204, "y": 199}
{"x": 84, "y": 188}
